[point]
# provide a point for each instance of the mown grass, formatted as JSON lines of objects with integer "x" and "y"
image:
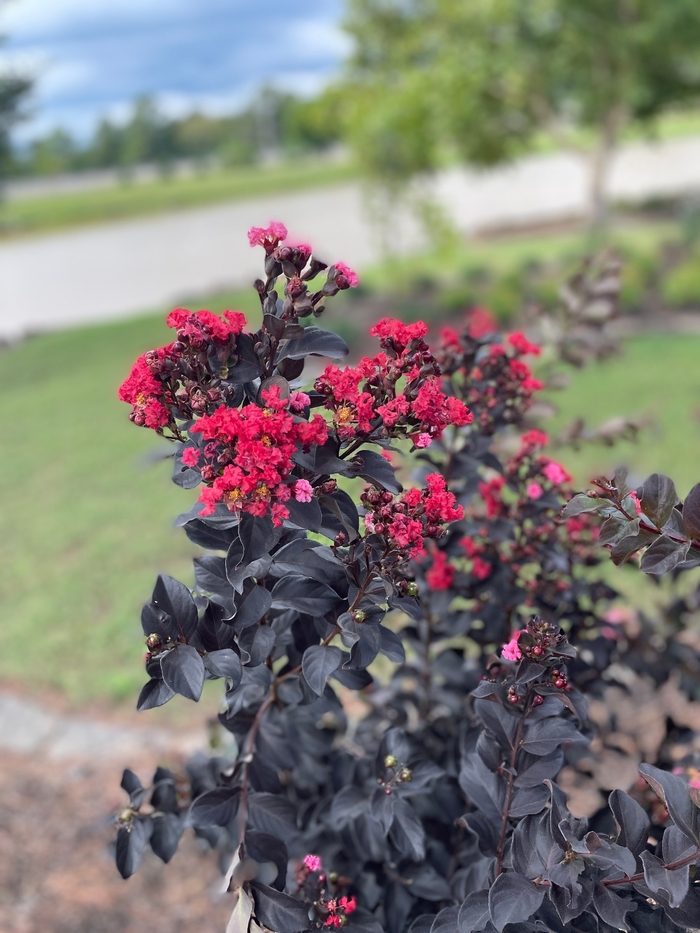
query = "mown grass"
{"x": 657, "y": 380}
{"x": 35, "y": 215}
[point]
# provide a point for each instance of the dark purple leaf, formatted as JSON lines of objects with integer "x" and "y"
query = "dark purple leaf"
{"x": 215, "y": 807}
{"x": 632, "y": 820}
{"x": 132, "y": 785}
{"x": 304, "y": 594}
{"x": 251, "y": 605}
{"x": 224, "y": 663}
{"x": 391, "y": 645}
{"x": 131, "y": 842}
{"x": 691, "y": 511}
{"x": 407, "y": 832}
{"x": 446, "y": 920}
{"x": 376, "y": 469}
{"x": 658, "y": 497}
{"x": 318, "y": 663}
{"x": 513, "y": 899}
{"x": 315, "y": 342}
{"x": 673, "y": 790}
{"x": 167, "y": 829}
{"x": 382, "y": 808}
{"x": 278, "y": 911}
{"x": 154, "y": 693}
{"x": 176, "y": 601}
{"x": 258, "y": 641}
{"x": 474, "y": 913}
{"x": 183, "y": 671}
{"x": 272, "y": 814}
{"x": 663, "y": 555}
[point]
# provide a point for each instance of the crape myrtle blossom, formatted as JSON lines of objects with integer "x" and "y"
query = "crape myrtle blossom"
{"x": 493, "y": 380}
{"x": 405, "y": 521}
{"x": 396, "y": 393}
{"x": 175, "y": 382}
{"x": 250, "y": 460}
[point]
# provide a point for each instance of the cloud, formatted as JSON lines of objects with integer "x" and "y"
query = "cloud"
{"x": 92, "y": 58}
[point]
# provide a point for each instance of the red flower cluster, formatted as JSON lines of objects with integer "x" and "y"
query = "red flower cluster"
{"x": 337, "y": 909}
{"x": 441, "y": 575}
{"x": 247, "y": 462}
{"x": 407, "y": 520}
{"x": 491, "y": 377}
{"x": 366, "y": 398}
{"x": 177, "y": 381}
{"x": 198, "y": 327}
{"x": 145, "y": 393}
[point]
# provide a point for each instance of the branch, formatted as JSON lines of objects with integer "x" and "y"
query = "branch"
{"x": 672, "y": 866}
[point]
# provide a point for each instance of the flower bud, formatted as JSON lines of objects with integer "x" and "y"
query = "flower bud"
{"x": 406, "y": 774}
{"x": 412, "y": 589}
{"x": 390, "y": 761}
{"x": 359, "y": 615}
{"x": 153, "y": 641}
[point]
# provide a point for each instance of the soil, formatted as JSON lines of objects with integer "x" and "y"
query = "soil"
{"x": 57, "y": 873}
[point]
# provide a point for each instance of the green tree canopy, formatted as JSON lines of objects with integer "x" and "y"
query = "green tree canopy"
{"x": 480, "y": 78}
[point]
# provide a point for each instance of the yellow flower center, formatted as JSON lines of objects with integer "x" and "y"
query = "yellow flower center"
{"x": 344, "y": 414}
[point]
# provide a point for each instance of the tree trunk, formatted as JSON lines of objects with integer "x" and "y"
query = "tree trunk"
{"x": 600, "y": 168}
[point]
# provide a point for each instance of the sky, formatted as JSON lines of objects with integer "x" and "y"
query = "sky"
{"x": 91, "y": 58}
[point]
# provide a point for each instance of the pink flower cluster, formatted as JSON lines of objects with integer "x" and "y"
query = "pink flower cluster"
{"x": 247, "y": 461}
{"x": 337, "y": 909}
{"x": 198, "y": 327}
{"x": 494, "y": 381}
{"x": 441, "y": 575}
{"x": 173, "y": 381}
{"x": 145, "y": 393}
{"x": 365, "y": 398}
{"x": 405, "y": 521}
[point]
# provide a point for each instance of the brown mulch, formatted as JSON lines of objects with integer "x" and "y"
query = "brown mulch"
{"x": 57, "y": 874}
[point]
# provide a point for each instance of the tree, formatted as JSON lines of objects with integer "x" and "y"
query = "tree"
{"x": 481, "y": 78}
{"x": 14, "y": 90}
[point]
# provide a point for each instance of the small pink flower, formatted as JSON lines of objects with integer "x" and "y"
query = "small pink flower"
{"x": 190, "y": 456}
{"x": 298, "y": 401}
{"x": 312, "y": 862}
{"x": 511, "y": 652}
{"x": 303, "y": 491}
{"x": 264, "y": 236}
{"x": 694, "y": 782}
{"x": 607, "y": 631}
{"x": 556, "y": 473}
{"x": 637, "y": 503}
{"x": 350, "y": 274}
{"x": 534, "y": 491}
{"x": 423, "y": 440}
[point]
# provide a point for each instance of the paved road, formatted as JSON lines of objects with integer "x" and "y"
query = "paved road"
{"x": 120, "y": 269}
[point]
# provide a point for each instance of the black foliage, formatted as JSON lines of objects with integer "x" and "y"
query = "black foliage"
{"x": 430, "y": 799}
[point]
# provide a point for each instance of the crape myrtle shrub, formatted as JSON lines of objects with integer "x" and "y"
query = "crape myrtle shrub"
{"x": 438, "y": 808}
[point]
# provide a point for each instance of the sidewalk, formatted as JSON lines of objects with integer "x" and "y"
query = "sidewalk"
{"x": 120, "y": 269}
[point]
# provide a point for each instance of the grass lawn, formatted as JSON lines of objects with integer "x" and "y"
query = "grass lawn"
{"x": 34, "y": 215}
{"x": 657, "y": 376}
